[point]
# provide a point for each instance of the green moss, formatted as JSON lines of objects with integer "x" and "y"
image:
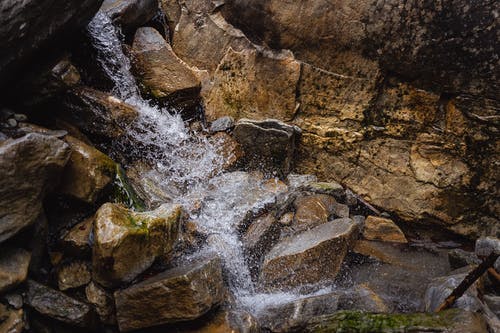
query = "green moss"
{"x": 124, "y": 193}
{"x": 359, "y": 322}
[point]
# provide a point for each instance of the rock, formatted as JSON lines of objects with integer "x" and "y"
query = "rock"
{"x": 459, "y": 258}
{"x": 180, "y": 294}
{"x": 11, "y": 321}
{"x": 73, "y": 275}
{"x": 88, "y": 172}
{"x": 96, "y": 113}
{"x": 362, "y": 298}
{"x": 14, "y": 265}
{"x": 14, "y": 300}
{"x": 493, "y": 302}
{"x": 381, "y": 251}
{"x": 30, "y": 167}
{"x": 296, "y": 181}
{"x": 164, "y": 75}
{"x": 234, "y": 321}
{"x": 262, "y": 234}
{"x": 228, "y": 148}
{"x": 485, "y": 246}
{"x": 268, "y": 144}
{"x": 56, "y": 305}
{"x": 24, "y": 31}
{"x": 130, "y": 14}
{"x": 312, "y": 210}
{"x": 222, "y": 124}
{"x": 383, "y": 229}
{"x": 254, "y": 84}
{"x": 333, "y": 189}
{"x": 77, "y": 241}
{"x": 291, "y": 316}
{"x": 454, "y": 320}
{"x": 126, "y": 243}
{"x": 441, "y": 287}
{"x": 144, "y": 181}
{"x": 307, "y": 257}
{"x": 103, "y": 302}
{"x": 287, "y": 219}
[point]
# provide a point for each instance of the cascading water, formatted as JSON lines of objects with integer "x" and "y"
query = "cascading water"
{"x": 192, "y": 166}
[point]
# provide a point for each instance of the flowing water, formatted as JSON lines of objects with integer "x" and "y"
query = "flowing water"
{"x": 191, "y": 165}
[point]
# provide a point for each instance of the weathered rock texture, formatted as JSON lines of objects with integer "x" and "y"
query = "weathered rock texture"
{"x": 29, "y": 168}
{"x": 13, "y": 268}
{"x": 126, "y": 243}
{"x": 180, "y": 294}
{"x": 25, "y": 29}
{"x": 382, "y": 108}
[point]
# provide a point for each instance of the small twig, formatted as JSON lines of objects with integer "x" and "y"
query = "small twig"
{"x": 468, "y": 281}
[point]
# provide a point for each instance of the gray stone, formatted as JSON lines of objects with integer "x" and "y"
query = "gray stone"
{"x": 222, "y": 124}
{"x": 268, "y": 144}
{"x": 57, "y": 305}
{"x": 312, "y": 256}
{"x": 180, "y": 294}
{"x": 459, "y": 258}
{"x": 14, "y": 265}
{"x": 493, "y": 302}
{"x": 29, "y": 168}
{"x": 15, "y": 300}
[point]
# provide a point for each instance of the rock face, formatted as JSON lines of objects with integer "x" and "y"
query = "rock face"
{"x": 57, "y": 305}
{"x": 268, "y": 144}
{"x": 126, "y": 243}
{"x": 13, "y": 268}
{"x": 23, "y": 31}
{"x": 382, "y": 229}
{"x": 312, "y": 256}
{"x": 164, "y": 76}
{"x": 87, "y": 173}
{"x": 29, "y": 167}
{"x": 179, "y": 294}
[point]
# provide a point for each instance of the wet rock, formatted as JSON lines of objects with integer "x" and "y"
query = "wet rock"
{"x": 441, "y": 287}
{"x": 14, "y": 265}
{"x": 312, "y": 210}
{"x": 88, "y": 172}
{"x": 126, "y": 243}
{"x": 361, "y": 298}
{"x": 222, "y": 124}
{"x": 307, "y": 257}
{"x": 164, "y": 76}
{"x": 296, "y": 181}
{"x": 57, "y": 305}
{"x": 73, "y": 275}
{"x": 77, "y": 241}
{"x": 97, "y": 113}
{"x": 262, "y": 234}
{"x": 291, "y": 316}
{"x": 382, "y": 229}
{"x": 180, "y": 294}
{"x": 454, "y": 320}
{"x": 333, "y": 189}
{"x": 103, "y": 302}
{"x": 381, "y": 251}
{"x": 130, "y": 14}
{"x": 226, "y": 320}
{"x": 11, "y": 321}
{"x": 30, "y": 167}
{"x": 268, "y": 144}
{"x": 254, "y": 84}
{"x": 24, "y": 31}
{"x": 459, "y": 258}
{"x": 228, "y": 148}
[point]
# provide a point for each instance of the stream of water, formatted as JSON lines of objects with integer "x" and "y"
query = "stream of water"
{"x": 190, "y": 164}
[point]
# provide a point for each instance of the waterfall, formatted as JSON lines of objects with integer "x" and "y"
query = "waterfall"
{"x": 193, "y": 166}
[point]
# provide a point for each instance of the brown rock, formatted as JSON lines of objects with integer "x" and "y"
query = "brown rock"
{"x": 76, "y": 241}
{"x": 14, "y": 265}
{"x": 309, "y": 257}
{"x": 316, "y": 209}
{"x": 163, "y": 74}
{"x": 87, "y": 173}
{"x": 228, "y": 148}
{"x": 126, "y": 243}
{"x": 103, "y": 302}
{"x": 382, "y": 229}
{"x": 234, "y": 321}
{"x": 73, "y": 275}
{"x": 254, "y": 84}
{"x": 29, "y": 168}
{"x": 180, "y": 294}
{"x": 11, "y": 321}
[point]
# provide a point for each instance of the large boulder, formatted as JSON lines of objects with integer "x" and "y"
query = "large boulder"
{"x": 126, "y": 243}
{"x": 180, "y": 294}
{"x": 88, "y": 172}
{"x": 27, "y": 27}
{"x": 13, "y": 268}
{"x": 30, "y": 167}
{"x": 309, "y": 257}
{"x": 163, "y": 75}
